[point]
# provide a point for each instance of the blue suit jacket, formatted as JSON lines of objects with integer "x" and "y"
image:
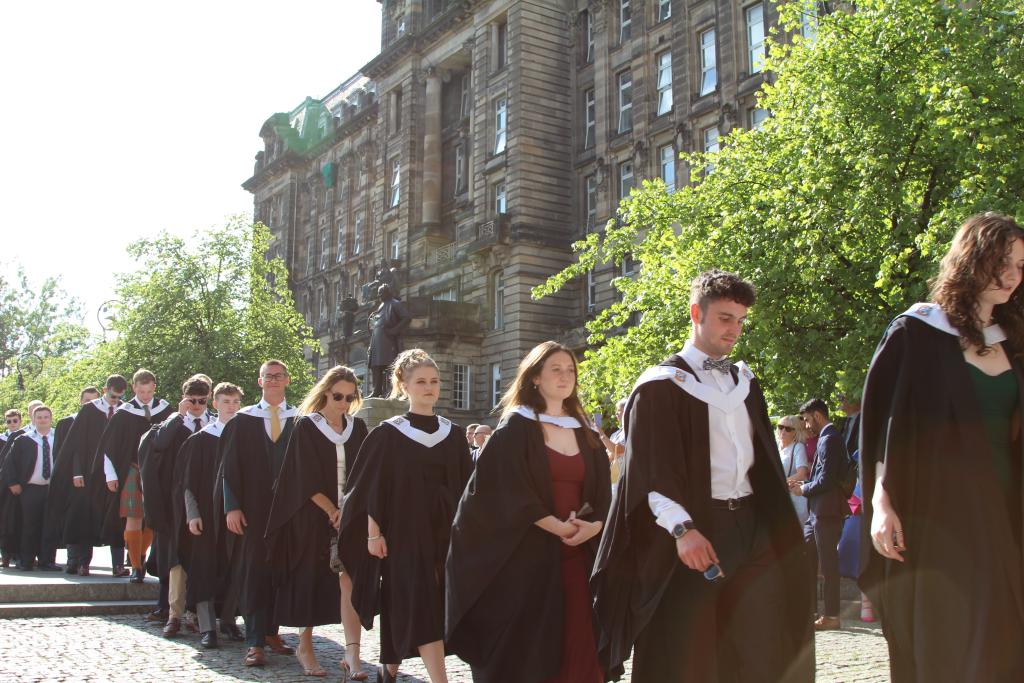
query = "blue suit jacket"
{"x": 824, "y": 495}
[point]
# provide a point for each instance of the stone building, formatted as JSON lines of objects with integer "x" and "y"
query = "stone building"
{"x": 466, "y": 157}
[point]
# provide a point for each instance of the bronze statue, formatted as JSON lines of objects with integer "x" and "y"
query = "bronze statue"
{"x": 386, "y": 326}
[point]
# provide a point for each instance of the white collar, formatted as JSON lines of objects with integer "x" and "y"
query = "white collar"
{"x": 38, "y": 438}
{"x": 932, "y": 314}
{"x": 706, "y": 392}
{"x": 262, "y": 409}
{"x": 444, "y": 426}
{"x": 101, "y": 405}
{"x": 156, "y": 406}
{"x": 214, "y": 429}
{"x": 693, "y": 356}
{"x": 327, "y": 430}
{"x": 566, "y": 421}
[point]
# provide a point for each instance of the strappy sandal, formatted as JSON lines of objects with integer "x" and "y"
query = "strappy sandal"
{"x": 318, "y": 671}
{"x": 346, "y": 669}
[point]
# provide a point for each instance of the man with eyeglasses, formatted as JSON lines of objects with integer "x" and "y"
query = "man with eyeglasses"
{"x": 162, "y": 478}
{"x": 29, "y": 470}
{"x": 68, "y": 511}
{"x": 701, "y": 567}
{"x": 253, "y": 447}
{"x": 10, "y": 507}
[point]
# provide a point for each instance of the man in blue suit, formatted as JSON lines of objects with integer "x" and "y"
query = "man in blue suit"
{"x": 826, "y": 503}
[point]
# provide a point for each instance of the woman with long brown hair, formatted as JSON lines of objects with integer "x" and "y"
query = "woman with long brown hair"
{"x": 305, "y": 511}
{"x": 941, "y": 455}
{"x": 397, "y": 518}
{"x": 526, "y": 533}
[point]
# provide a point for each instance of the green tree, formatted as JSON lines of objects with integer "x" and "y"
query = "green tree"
{"x": 900, "y": 119}
{"x": 212, "y": 304}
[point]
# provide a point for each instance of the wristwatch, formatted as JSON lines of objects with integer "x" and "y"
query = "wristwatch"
{"x": 679, "y": 530}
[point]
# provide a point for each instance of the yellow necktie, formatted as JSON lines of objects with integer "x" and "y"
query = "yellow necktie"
{"x": 275, "y": 424}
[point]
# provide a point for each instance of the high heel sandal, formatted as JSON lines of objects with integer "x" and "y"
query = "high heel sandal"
{"x": 346, "y": 669}
{"x": 317, "y": 672}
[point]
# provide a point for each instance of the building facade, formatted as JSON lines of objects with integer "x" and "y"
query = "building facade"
{"x": 486, "y": 137}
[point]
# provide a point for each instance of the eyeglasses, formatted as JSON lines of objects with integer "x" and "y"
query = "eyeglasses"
{"x": 276, "y": 377}
{"x": 13, "y": 421}
{"x": 351, "y": 398}
{"x": 785, "y": 428}
{"x": 197, "y": 401}
{"x": 114, "y": 396}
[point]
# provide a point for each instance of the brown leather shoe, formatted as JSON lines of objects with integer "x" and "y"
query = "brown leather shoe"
{"x": 827, "y": 624}
{"x": 191, "y": 622}
{"x": 254, "y": 657}
{"x": 121, "y": 570}
{"x": 278, "y": 647}
{"x": 172, "y": 628}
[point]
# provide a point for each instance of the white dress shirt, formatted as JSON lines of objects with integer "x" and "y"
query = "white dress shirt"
{"x": 731, "y": 441}
{"x": 37, "y": 471}
{"x": 282, "y": 407}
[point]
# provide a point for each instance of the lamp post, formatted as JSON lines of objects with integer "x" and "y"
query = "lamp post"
{"x": 23, "y": 366}
{"x": 106, "y": 314}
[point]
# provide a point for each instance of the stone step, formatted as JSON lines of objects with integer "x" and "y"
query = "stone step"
{"x": 22, "y": 610}
{"x": 33, "y": 587}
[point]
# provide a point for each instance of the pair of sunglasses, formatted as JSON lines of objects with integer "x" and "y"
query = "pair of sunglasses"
{"x": 13, "y": 422}
{"x": 350, "y": 398}
{"x": 714, "y": 573}
{"x": 197, "y": 401}
{"x": 784, "y": 428}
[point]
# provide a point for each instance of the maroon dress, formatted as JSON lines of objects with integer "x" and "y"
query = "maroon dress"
{"x": 579, "y": 651}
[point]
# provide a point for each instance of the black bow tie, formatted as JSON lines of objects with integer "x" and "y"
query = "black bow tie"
{"x": 724, "y": 365}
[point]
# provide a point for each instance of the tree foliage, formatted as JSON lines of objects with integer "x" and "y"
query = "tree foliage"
{"x": 212, "y": 303}
{"x": 900, "y": 119}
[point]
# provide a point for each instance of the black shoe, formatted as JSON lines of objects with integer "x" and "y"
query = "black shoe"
{"x": 71, "y": 569}
{"x": 232, "y": 632}
{"x": 138, "y": 576}
{"x": 120, "y": 570}
{"x": 208, "y": 639}
{"x": 24, "y": 567}
{"x": 6, "y": 562}
{"x": 50, "y": 567}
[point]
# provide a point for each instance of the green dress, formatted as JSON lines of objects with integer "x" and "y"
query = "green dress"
{"x": 997, "y": 401}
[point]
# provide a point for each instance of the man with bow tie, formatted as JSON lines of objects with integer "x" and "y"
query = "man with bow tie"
{"x": 31, "y": 467}
{"x": 702, "y": 563}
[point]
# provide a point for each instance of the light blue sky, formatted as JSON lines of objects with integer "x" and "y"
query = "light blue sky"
{"x": 122, "y": 118}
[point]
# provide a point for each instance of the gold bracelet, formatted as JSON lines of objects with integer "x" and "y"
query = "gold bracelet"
{"x": 374, "y": 538}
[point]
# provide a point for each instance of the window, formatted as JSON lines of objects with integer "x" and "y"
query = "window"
{"x": 499, "y": 300}
{"x": 341, "y": 239}
{"x": 589, "y": 119}
{"x": 448, "y": 294}
{"x": 591, "y": 291}
{"x": 464, "y": 95}
{"x": 501, "y": 46}
{"x": 500, "y": 124}
{"x": 495, "y": 384}
{"x": 625, "y": 102}
{"x": 396, "y": 113}
{"x": 460, "y": 175}
{"x": 591, "y": 201}
{"x": 809, "y": 21}
{"x": 667, "y": 154}
{"x": 625, "y": 179}
{"x": 588, "y": 27}
{"x": 625, "y": 20}
{"x": 321, "y": 304}
{"x": 664, "y": 83}
{"x": 710, "y": 145}
{"x": 357, "y": 243}
{"x": 396, "y": 186}
{"x": 392, "y": 245}
{"x": 460, "y": 387}
{"x": 339, "y": 292}
{"x": 310, "y": 255}
{"x": 708, "y": 62}
{"x": 325, "y": 247}
{"x": 500, "y": 201}
{"x": 664, "y": 10}
{"x": 757, "y": 118}
{"x": 755, "y": 38}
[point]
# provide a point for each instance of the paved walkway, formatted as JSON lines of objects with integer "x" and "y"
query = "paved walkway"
{"x": 125, "y": 648}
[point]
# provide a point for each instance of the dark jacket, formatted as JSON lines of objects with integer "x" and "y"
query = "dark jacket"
{"x": 824, "y": 495}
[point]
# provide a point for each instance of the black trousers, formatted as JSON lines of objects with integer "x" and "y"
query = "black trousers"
{"x": 822, "y": 537}
{"x": 728, "y": 630}
{"x": 33, "y": 509}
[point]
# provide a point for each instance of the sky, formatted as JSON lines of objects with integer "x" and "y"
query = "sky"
{"x": 124, "y": 119}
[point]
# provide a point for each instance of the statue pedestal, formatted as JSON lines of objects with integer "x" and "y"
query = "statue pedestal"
{"x": 376, "y": 410}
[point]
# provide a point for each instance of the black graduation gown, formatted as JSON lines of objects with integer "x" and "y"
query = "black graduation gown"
{"x": 636, "y": 558}
{"x": 250, "y": 462}
{"x": 120, "y": 443}
{"x": 953, "y": 610}
{"x": 61, "y": 430}
{"x": 299, "y": 533}
{"x": 503, "y": 604}
{"x": 412, "y": 491}
{"x": 207, "y": 561}
{"x": 69, "y": 514}
{"x": 10, "y": 505}
{"x": 163, "y": 474}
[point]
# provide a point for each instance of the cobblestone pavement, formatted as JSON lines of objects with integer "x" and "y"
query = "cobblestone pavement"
{"x": 125, "y": 648}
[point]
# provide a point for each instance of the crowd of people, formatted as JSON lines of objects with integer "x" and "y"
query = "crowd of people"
{"x": 689, "y": 539}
